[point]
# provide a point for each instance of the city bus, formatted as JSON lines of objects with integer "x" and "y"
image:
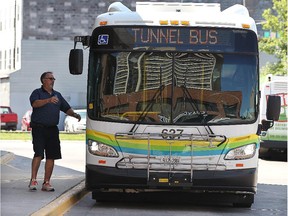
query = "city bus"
{"x": 275, "y": 139}
{"x": 173, "y": 102}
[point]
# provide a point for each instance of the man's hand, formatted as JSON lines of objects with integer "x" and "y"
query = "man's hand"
{"x": 54, "y": 99}
{"x": 76, "y": 115}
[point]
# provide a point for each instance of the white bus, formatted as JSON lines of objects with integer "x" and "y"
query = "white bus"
{"x": 172, "y": 102}
{"x": 275, "y": 139}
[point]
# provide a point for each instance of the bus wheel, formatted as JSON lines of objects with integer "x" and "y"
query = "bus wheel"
{"x": 105, "y": 197}
{"x": 242, "y": 205}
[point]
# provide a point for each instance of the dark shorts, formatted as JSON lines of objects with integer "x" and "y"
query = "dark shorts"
{"x": 46, "y": 140}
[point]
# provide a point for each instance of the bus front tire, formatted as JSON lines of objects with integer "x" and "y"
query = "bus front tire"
{"x": 242, "y": 205}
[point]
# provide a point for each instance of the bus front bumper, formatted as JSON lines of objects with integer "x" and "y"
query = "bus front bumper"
{"x": 230, "y": 181}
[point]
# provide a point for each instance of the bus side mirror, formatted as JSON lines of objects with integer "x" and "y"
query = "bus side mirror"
{"x": 273, "y": 108}
{"x": 76, "y": 61}
{"x": 272, "y": 112}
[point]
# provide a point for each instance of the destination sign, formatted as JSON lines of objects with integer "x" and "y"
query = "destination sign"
{"x": 174, "y": 38}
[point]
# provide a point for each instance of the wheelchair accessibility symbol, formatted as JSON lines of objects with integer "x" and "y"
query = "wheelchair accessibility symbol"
{"x": 103, "y": 39}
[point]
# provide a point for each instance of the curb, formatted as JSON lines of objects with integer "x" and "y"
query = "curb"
{"x": 64, "y": 202}
{"x": 6, "y": 157}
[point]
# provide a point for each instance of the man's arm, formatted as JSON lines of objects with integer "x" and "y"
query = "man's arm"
{"x": 42, "y": 102}
{"x": 71, "y": 112}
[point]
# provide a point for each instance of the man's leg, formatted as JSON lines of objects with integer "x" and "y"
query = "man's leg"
{"x": 38, "y": 147}
{"x": 49, "y": 165}
{"x": 34, "y": 170}
{"x": 53, "y": 152}
{"x": 35, "y": 167}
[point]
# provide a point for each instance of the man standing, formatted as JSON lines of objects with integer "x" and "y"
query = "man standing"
{"x": 47, "y": 104}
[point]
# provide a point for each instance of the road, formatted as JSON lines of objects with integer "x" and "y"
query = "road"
{"x": 271, "y": 198}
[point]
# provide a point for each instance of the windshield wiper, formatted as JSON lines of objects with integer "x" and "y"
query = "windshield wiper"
{"x": 203, "y": 115}
{"x": 147, "y": 108}
{"x": 150, "y": 104}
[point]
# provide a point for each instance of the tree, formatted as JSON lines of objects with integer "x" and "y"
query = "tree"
{"x": 276, "y": 22}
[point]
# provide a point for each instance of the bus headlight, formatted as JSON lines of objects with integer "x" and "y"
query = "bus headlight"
{"x": 241, "y": 153}
{"x": 100, "y": 149}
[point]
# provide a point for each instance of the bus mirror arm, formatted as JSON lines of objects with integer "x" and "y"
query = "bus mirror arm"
{"x": 265, "y": 125}
{"x": 272, "y": 113}
{"x": 85, "y": 40}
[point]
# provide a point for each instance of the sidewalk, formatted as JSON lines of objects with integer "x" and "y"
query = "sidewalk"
{"x": 16, "y": 199}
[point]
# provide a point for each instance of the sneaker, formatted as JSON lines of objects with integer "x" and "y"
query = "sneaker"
{"x": 47, "y": 187}
{"x": 32, "y": 185}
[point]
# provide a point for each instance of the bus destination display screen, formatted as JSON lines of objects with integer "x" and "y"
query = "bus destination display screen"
{"x": 165, "y": 38}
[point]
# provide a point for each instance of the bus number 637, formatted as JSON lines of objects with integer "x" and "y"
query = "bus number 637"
{"x": 172, "y": 133}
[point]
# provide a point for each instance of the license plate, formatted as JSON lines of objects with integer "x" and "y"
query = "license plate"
{"x": 167, "y": 160}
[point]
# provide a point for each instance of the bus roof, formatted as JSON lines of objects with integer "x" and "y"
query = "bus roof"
{"x": 178, "y": 14}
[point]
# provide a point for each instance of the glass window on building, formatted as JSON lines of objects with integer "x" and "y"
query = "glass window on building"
{"x": 17, "y": 54}
{"x": 1, "y": 60}
{"x": 5, "y": 60}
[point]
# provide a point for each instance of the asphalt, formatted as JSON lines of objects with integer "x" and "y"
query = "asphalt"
{"x": 16, "y": 199}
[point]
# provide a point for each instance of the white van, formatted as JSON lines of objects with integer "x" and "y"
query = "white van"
{"x": 275, "y": 139}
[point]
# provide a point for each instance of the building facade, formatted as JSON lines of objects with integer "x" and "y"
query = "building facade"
{"x": 10, "y": 46}
{"x": 61, "y": 20}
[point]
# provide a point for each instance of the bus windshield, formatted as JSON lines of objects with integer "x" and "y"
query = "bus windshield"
{"x": 172, "y": 88}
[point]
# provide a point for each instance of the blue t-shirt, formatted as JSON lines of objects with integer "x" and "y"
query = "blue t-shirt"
{"x": 48, "y": 114}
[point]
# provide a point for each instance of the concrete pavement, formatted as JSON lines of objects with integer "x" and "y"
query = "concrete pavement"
{"x": 16, "y": 199}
